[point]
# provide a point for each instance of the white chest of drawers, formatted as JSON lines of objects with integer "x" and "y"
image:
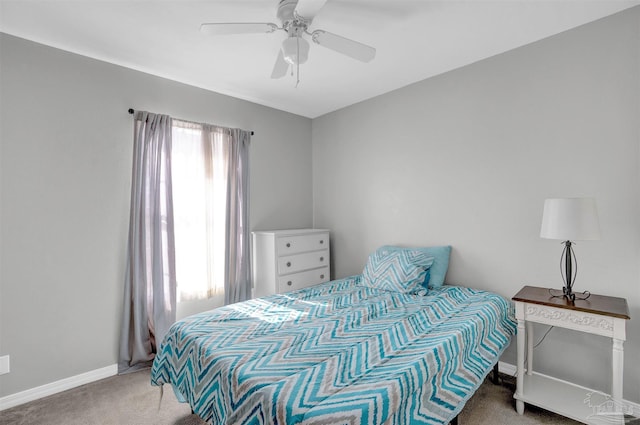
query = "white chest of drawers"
{"x": 286, "y": 260}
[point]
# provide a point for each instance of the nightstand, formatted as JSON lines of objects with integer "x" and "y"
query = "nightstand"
{"x": 599, "y": 315}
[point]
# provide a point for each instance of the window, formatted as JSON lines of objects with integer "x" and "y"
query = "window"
{"x": 199, "y": 177}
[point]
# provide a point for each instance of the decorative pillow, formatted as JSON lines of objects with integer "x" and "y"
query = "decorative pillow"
{"x": 438, "y": 269}
{"x": 397, "y": 270}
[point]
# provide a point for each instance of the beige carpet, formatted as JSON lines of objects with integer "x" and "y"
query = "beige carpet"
{"x": 131, "y": 400}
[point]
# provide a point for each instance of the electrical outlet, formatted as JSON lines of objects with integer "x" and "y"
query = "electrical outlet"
{"x": 4, "y": 365}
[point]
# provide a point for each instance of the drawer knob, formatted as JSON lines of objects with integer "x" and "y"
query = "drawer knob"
{"x": 288, "y": 263}
{"x": 321, "y": 276}
{"x": 321, "y": 258}
{"x": 321, "y": 241}
{"x": 289, "y": 283}
{"x": 288, "y": 244}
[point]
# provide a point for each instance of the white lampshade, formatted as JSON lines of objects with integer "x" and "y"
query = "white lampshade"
{"x": 570, "y": 219}
{"x": 295, "y": 50}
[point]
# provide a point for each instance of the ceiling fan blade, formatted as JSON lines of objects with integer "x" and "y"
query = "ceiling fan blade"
{"x": 308, "y": 9}
{"x": 343, "y": 45}
{"x": 237, "y": 28}
{"x": 281, "y": 66}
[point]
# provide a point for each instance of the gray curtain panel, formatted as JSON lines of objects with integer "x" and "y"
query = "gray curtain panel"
{"x": 237, "y": 286}
{"x": 150, "y": 281}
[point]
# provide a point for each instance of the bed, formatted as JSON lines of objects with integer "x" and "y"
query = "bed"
{"x": 341, "y": 352}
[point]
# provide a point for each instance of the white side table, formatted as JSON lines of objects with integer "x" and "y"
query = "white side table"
{"x": 599, "y": 315}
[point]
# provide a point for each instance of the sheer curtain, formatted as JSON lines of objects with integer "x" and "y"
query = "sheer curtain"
{"x": 210, "y": 182}
{"x": 150, "y": 280}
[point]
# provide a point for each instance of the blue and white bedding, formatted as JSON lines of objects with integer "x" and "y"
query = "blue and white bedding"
{"x": 337, "y": 353}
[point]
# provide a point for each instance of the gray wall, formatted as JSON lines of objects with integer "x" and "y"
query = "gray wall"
{"x": 66, "y": 141}
{"x": 468, "y": 157}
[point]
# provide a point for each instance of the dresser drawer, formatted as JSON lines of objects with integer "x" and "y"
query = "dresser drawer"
{"x": 298, "y": 262}
{"x": 287, "y": 245}
{"x": 303, "y": 279}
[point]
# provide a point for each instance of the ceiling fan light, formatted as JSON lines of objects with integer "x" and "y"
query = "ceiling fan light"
{"x": 295, "y": 50}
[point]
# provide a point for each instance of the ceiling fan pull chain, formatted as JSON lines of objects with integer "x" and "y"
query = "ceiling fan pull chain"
{"x": 298, "y": 76}
{"x": 298, "y": 62}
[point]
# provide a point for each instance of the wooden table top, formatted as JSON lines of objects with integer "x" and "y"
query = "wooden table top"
{"x": 598, "y": 304}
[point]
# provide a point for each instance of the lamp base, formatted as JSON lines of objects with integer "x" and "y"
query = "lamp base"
{"x": 569, "y": 294}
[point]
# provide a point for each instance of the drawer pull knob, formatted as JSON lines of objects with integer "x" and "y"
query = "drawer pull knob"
{"x": 321, "y": 241}
{"x": 288, "y": 245}
{"x": 288, "y": 263}
{"x": 321, "y": 276}
{"x": 321, "y": 258}
{"x": 289, "y": 283}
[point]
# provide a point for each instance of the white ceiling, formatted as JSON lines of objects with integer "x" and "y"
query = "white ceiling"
{"x": 414, "y": 40}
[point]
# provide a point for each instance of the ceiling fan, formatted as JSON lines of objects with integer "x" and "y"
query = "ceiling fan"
{"x": 296, "y": 17}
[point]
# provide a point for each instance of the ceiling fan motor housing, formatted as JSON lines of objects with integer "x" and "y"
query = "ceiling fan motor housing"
{"x": 286, "y": 9}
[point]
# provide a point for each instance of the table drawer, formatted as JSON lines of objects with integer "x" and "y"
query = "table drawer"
{"x": 298, "y": 262}
{"x": 303, "y": 279}
{"x": 287, "y": 245}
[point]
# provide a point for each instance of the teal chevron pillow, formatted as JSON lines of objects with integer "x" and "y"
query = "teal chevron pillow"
{"x": 438, "y": 269}
{"x": 397, "y": 270}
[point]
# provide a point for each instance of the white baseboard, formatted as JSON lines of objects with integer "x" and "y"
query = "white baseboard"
{"x": 509, "y": 369}
{"x": 57, "y": 386}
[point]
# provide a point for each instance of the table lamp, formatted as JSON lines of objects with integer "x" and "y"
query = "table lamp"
{"x": 570, "y": 219}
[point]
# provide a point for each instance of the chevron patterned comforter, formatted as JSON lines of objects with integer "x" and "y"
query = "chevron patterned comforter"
{"x": 336, "y": 353}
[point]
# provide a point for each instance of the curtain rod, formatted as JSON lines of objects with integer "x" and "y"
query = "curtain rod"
{"x": 131, "y": 111}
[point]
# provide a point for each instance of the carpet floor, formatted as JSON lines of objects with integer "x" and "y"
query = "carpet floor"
{"x": 131, "y": 400}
